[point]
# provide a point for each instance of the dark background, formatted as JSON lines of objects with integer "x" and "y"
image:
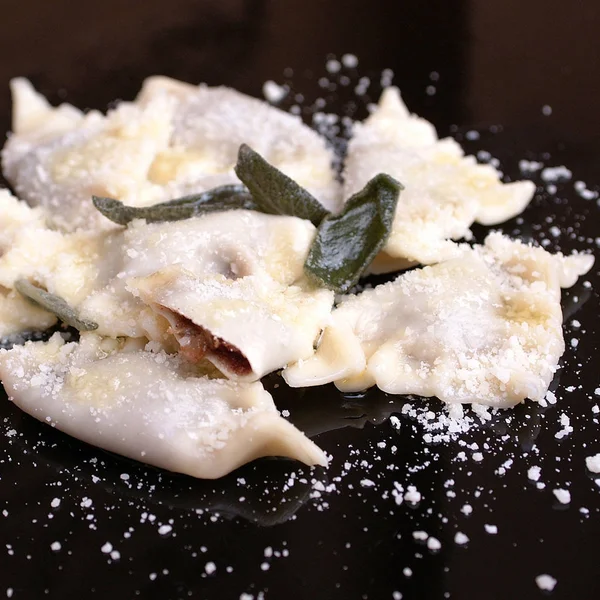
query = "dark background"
{"x": 499, "y": 62}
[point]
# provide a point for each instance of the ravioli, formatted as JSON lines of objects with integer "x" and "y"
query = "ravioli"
{"x": 149, "y": 406}
{"x": 16, "y": 313}
{"x": 163, "y": 146}
{"x": 91, "y": 270}
{"x": 445, "y": 191}
{"x": 232, "y": 244}
{"x": 247, "y": 327}
{"x": 67, "y": 265}
{"x": 210, "y": 125}
{"x": 484, "y": 327}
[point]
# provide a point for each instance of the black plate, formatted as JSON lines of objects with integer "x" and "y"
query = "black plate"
{"x": 275, "y": 529}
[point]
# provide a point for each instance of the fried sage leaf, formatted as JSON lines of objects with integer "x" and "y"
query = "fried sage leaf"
{"x": 54, "y": 304}
{"x": 347, "y": 243}
{"x": 225, "y": 197}
{"x": 274, "y": 192}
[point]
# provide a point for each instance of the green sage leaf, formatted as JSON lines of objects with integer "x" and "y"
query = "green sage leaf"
{"x": 347, "y": 243}
{"x": 274, "y": 192}
{"x": 225, "y": 197}
{"x": 54, "y": 304}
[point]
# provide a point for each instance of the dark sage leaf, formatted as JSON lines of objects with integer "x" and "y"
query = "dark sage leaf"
{"x": 225, "y": 197}
{"x": 347, "y": 243}
{"x": 274, "y": 192}
{"x": 54, "y": 304}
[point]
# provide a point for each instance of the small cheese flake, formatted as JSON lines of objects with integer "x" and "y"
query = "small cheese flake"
{"x": 333, "y": 66}
{"x": 545, "y": 582}
{"x": 367, "y": 483}
{"x": 420, "y": 535}
{"x": 107, "y": 548}
{"x": 274, "y": 93}
{"x": 397, "y": 595}
{"x": 491, "y": 529}
{"x": 55, "y": 502}
{"x": 433, "y": 543}
{"x": 593, "y": 463}
{"x": 533, "y": 473}
{"x": 552, "y": 174}
{"x": 566, "y": 424}
{"x": 165, "y": 529}
{"x": 460, "y": 538}
{"x": 210, "y": 568}
{"x": 55, "y": 546}
{"x": 530, "y": 166}
{"x": 350, "y": 61}
{"x": 562, "y": 495}
{"x": 412, "y": 495}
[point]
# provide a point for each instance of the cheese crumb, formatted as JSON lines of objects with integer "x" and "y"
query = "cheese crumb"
{"x": 461, "y": 539}
{"x": 556, "y": 173}
{"x": 563, "y": 496}
{"x": 210, "y": 568}
{"x": 433, "y": 543}
{"x": 491, "y": 529}
{"x": 333, "y": 66}
{"x": 412, "y": 495}
{"x": 545, "y": 582}
{"x": 274, "y": 93}
{"x": 593, "y": 463}
{"x": 533, "y": 473}
{"x": 350, "y": 61}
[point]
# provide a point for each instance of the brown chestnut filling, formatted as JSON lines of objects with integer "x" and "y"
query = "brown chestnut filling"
{"x": 196, "y": 342}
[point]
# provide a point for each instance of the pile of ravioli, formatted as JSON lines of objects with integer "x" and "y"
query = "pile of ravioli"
{"x": 192, "y": 314}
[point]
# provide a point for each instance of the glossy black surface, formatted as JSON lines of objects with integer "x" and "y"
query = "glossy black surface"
{"x": 490, "y": 63}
